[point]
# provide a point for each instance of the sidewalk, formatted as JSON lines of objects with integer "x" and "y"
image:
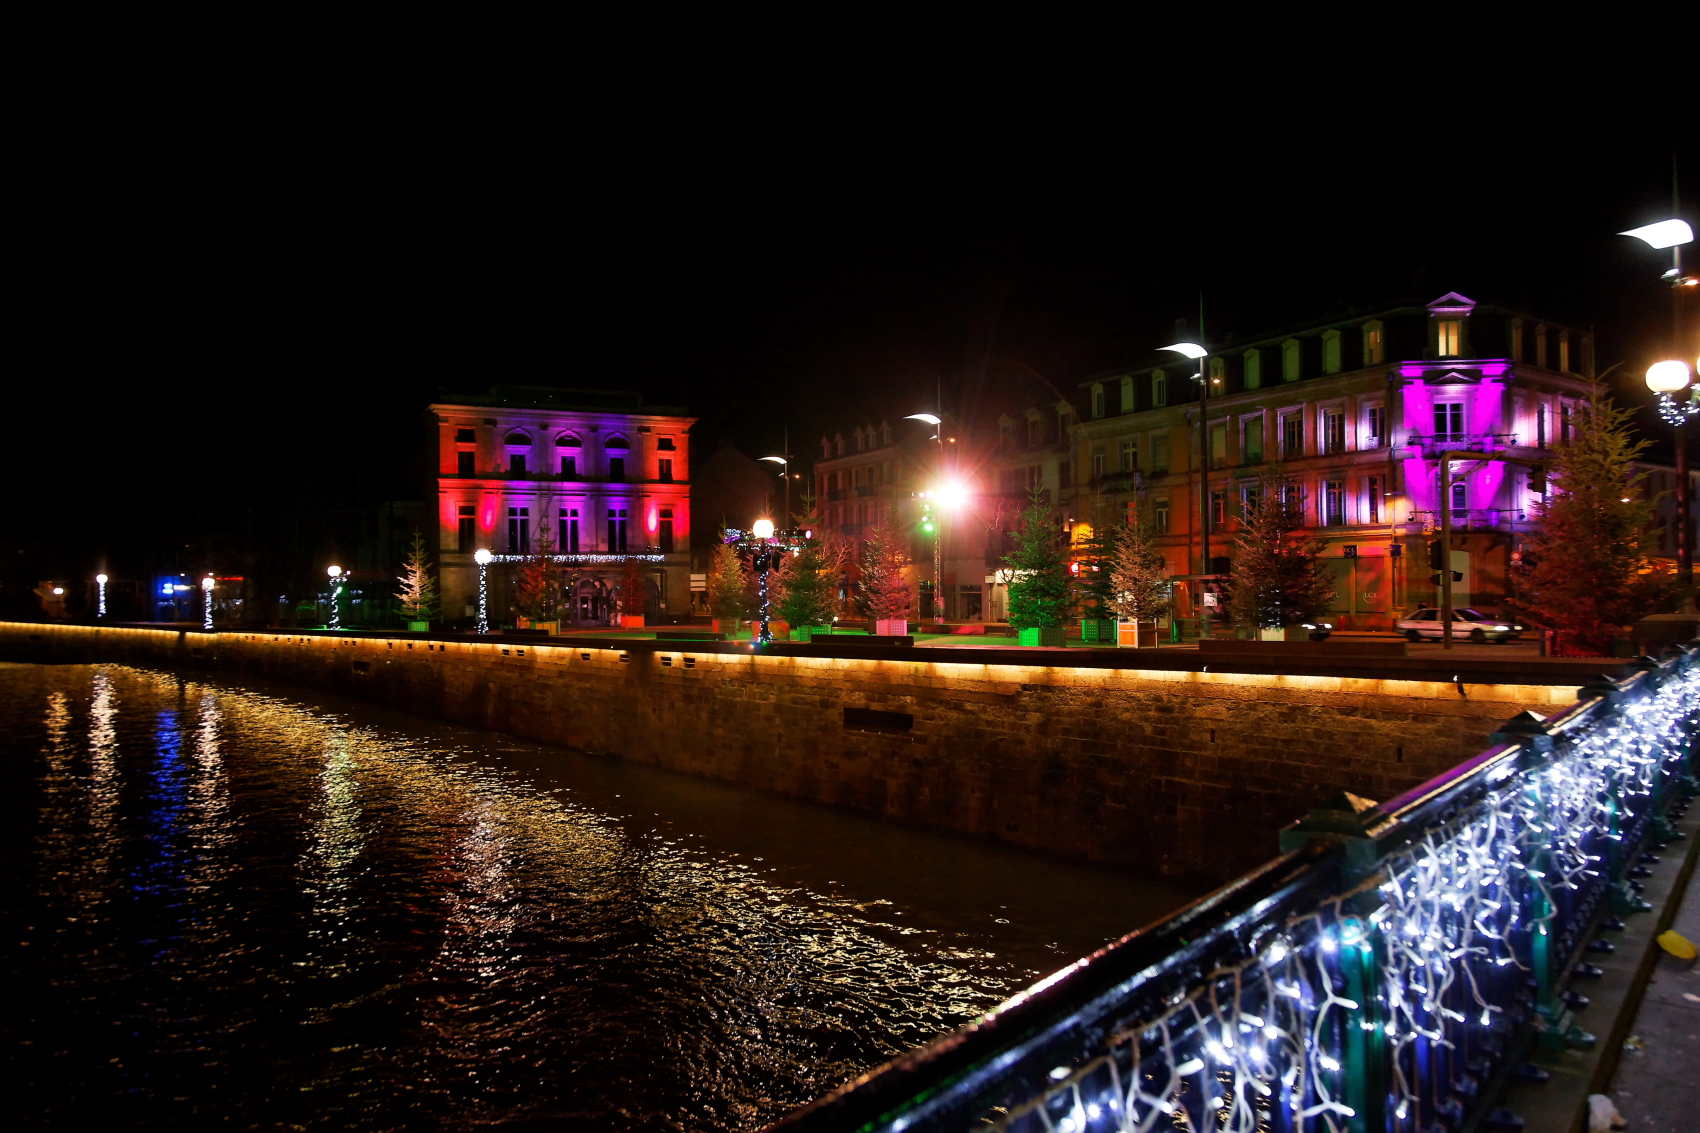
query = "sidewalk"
{"x": 1657, "y": 1086}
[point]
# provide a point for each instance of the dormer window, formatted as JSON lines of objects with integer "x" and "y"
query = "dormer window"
{"x": 1127, "y": 395}
{"x": 1331, "y": 352}
{"x": 1374, "y": 343}
{"x": 1035, "y": 429}
{"x": 1290, "y": 360}
{"x": 1097, "y": 401}
{"x": 1159, "y": 388}
{"x": 1448, "y": 338}
{"x": 1253, "y": 370}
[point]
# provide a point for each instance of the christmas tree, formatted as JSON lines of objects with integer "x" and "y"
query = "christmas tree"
{"x": 806, "y": 584}
{"x": 1139, "y": 575}
{"x": 728, "y": 584}
{"x": 418, "y": 589}
{"x": 1094, "y": 585}
{"x": 885, "y": 591}
{"x": 1279, "y": 578}
{"x": 537, "y": 590}
{"x": 634, "y": 590}
{"x": 1038, "y": 592}
{"x": 1588, "y": 566}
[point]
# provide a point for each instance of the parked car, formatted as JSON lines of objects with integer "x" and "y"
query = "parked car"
{"x": 1466, "y": 623}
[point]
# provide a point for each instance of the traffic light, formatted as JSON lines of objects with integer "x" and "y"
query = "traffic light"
{"x": 1457, "y": 576}
{"x": 1436, "y": 559}
{"x": 927, "y": 518}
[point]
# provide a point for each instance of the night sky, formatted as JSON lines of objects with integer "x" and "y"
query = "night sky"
{"x": 236, "y": 329}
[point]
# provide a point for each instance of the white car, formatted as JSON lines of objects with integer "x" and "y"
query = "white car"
{"x": 1467, "y": 624}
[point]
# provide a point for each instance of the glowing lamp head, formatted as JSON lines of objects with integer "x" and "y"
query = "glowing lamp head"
{"x": 334, "y": 571}
{"x": 58, "y": 590}
{"x": 775, "y": 459}
{"x": 1664, "y": 234}
{"x": 953, "y": 495}
{"x": 482, "y": 557}
{"x": 1667, "y": 376}
{"x": 762, "y": 529}
{"x": 100, "y": 578}
{"x": 1189, "y": 349}
{"x": 927, "y": 417}
{"x": 207, "y": 582}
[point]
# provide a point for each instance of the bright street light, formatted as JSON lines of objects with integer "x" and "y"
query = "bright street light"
{"x": 1667, "y": 376}
{"x": 100, "y": 578}
{"x": 953, "y": 495}
{"x": 334, "y": 571}
{"x": 1190, "y": 349}
{"x": 762, "y": 529}
{"x": 775, "y": 459}
{"x": 482, "y": 557}
{"x": 1664, "y": 234}
{"x": 927, "y": 417}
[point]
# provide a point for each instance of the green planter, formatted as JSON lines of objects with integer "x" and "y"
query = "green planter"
{"x": 1098, "y": 631}
{"x": 1042, "y": 635}
{"x": 808, "y": 633}
{"x": 419, "y": 627}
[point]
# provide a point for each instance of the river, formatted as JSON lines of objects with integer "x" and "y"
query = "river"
{"x": 252, "y": 907}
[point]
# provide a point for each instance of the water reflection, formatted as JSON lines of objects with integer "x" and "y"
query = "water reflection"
{"x": 236, "y": 906}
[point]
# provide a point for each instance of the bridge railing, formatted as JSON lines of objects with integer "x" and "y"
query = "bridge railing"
{"x": 1383, "y": 974}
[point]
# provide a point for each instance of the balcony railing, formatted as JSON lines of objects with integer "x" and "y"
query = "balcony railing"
{"x": 834, "y": 495}
{"x": 1380, "y": 975}
{"x": 1465, "y": 442}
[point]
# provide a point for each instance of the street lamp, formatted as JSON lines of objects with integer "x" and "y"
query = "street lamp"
{"x": 206, "y": 602}
{"x": 482, "y": 557}
{"x": 336, "y": 594}
{"x": 764, "y": 560}
{"x": 100, "y": 582}
{"x": 1197, "y": 353}
{"x": 1665, "y": 378}
{"x": 785, "y": 475}
{"x": 938, "y": 534}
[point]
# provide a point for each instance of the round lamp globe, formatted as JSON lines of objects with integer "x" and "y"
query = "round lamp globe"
{"x": 1667, "y": 376}
{"x": 762, "y": 529}
{"x": 482, "y": 557}
{"x": 100, "y": 578}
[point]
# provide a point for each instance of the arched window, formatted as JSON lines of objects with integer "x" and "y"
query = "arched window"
{"x": 568, "y": 440}
{"x": 616, "y": 442}
{"x": 517, "y": 438}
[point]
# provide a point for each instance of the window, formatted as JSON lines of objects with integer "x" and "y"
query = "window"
{"x": 1564, "y": 350}
{"x": 516, "y": 462}
{"x": 1160, "y": 452}
{"x": 665, "y": 531}
{"x": 1448, "y": 335}
{"x": 1374, "y": 352}
{"x": 1372, "y": 499}
{"x": 1035, "y": 429}
{"x": 569, "y": 466}
{"x": 1097, "y": 401}
{"x": 464, "y": 461}
{"x": 1253, "y": 370}
{"x": 1293, "y": 435}
{"x": 519, "y": 531}
{"x": 1097, "y": 463}
{"x": 1218, "y": 509}
{"x": 1290, "y": 360}
{"x": 1218, "y": 445}
{"x": 1377, "y": 426}
{"x": 616, "y": 468}
{"x": 1515, "y": 326}
{"x": 1218, "y": 372}
{"x": 1333, "y": 431}
{"x": 568, "y": 440}
{"x": 1564, "y": 425}
{"x": 467, "y": 537}
{"x": 1065, "y": 474}
{"x": 1331, "y": 352}
{"x": 1127, "y": 395}
{"x": 464, "y": 437}
{"x": 1460, "y": 502}
{"x": 617, "y": 442}
{"x": 1160, "y": 517}
{"x": 1130, "y": 456}
{"x": 1254, "y": 441}
{"x": 1541, "y": 426}
{"x": 616, "y": 530}
{"x": 1332, "y": 506}
{"x": 1159, "y": 388}
{"x": 664, "y": 470}
{"x": 665, "y": 444}
{"x": 1250, "y": 496}
{"x": 1449, "y": 421}
{"x": 569, "y": 530}
{"x": 517, "y": 439}
{"x": 1541, "y": 346}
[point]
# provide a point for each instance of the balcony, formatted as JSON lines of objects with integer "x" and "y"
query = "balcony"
{"x": 866, "y": 491}
{"x": 1461, "y": 442}
{"x": 834, "y": 495}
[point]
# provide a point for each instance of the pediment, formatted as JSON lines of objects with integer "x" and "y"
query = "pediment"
{"x": 1453, "y": 378}
{"x": 1452, "y": 303}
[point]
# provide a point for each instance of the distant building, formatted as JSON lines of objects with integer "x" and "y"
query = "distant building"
{"x": 607, "y": 475}
{"x": 1356, "y": 411}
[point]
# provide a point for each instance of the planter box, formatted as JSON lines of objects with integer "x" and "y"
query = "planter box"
{"x": 1098, "y": 631}
{"x": 809, "y": 633}
{"x": 891, "y": 627}
{"x": 419, "y": 627}
{"x": 1042, "y": 635}
{"x": 552, "y": 628}
{"x": 1132, "y": 635}
{"x": 631, "y": 621}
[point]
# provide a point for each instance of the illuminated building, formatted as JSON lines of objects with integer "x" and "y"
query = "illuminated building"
{"x": 608, "y": 475}
{"x": 1356, "y": 410}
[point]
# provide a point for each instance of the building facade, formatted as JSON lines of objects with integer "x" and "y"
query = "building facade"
{"x": 1356, "y": 412}
{"x": 602, "y": 477}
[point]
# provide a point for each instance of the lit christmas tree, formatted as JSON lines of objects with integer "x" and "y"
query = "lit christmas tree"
{"x": 418, "y": 592}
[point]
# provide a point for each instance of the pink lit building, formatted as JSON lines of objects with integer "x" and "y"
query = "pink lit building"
{"x": 1356, "y": 410}
{"x": 608, "y": 476}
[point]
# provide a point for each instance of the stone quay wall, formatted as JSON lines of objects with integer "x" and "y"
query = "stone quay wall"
{"x": 1182, "y": 772}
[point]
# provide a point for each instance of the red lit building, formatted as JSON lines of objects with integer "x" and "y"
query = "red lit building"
{"x": 608, "y": 476}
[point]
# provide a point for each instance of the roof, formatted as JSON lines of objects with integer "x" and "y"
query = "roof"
{"x": 561, "y": 399}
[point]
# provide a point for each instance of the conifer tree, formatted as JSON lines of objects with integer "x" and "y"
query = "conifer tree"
{"x": 1140, "y": 590}
{"x": 885, "y": 592}
{"x": 728, "y": 583}
{"x": 1588, "y": 560}
{"x": 537, "y": 590}
{"x": 805, "y": 581}
{"x": 1279, "y": 578}
{"x": 634, "y": 590}
{"x": 1038, "y": 592}
{"x": 418, "y": 589}
{"x": 1097, "y": 559}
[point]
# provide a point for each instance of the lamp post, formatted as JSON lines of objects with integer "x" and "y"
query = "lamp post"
{"x": 335, "y": 573}
{"x": 206, "y": 602}
{"x": 100, "y": 600}
{"x": 1666, "y": 378}
{"x": 1197, "y": 353}
{"x": 482, "y": 557}
{"x": 762, "y": 530}
{"x": 938, "y": 534}
{"x": 785, "y": 475}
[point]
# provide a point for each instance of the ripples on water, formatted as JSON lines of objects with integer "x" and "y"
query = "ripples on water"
{"x": 248, "y": 909}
